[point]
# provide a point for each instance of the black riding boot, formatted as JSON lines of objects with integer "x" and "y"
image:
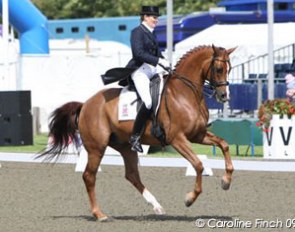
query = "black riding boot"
{"x": 139, "y": 127}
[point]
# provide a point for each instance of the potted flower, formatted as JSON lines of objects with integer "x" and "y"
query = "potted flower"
{"x": 277, "y": 120}
{"x": 280, "y": 107}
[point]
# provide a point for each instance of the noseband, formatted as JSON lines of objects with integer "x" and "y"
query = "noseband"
{"x": 211, "y": 84}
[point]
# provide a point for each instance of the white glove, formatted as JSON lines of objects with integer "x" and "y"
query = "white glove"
{"x": 164, "y": 63}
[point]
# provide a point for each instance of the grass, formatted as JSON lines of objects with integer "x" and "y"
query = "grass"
{"x": 244, "y": 152}
{"x": 40, "y": 142}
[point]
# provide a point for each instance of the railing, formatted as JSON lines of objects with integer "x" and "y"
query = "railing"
{"x": 259, "y": 65}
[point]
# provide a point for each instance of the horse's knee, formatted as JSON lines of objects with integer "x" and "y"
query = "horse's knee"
{"x": 198, "y": 166}
{"x": 224, "y": 146}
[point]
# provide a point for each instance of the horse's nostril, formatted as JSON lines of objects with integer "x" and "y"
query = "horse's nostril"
{"x": 223, "y": 97}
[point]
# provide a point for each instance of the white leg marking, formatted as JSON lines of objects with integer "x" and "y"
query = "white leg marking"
{"x": 153, "y": 201}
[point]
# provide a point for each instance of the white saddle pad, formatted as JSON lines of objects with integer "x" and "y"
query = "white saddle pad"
{"x": 127, "y": 105}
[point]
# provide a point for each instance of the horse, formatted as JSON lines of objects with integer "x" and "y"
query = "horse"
{"x": 183, "y": 116}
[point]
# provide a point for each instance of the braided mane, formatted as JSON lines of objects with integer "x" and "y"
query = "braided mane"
{"x": 190, "y": 52}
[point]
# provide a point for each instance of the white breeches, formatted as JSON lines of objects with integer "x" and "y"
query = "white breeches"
{"x": 141, "y": 78}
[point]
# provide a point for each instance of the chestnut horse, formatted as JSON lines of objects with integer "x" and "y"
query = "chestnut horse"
{"x": 183, "y": 115}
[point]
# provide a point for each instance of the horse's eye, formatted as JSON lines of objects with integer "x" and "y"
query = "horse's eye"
{"x": 219, "y": 70}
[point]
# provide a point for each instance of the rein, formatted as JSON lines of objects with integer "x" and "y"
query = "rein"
{"x": 210, "y": 84}
{"x": 187, "y": 82}
{"x": 193, "y": 85}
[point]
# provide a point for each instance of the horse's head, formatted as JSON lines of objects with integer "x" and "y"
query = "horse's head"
{"x": 217, "y": 72}
{"x": 207, "y": 65}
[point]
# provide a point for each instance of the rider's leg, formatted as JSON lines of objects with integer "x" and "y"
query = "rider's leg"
{"x": 139, "y": 127}
{"x": 141, "y": 79}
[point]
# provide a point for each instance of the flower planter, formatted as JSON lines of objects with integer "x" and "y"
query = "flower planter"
{"x": 279, "y": 140}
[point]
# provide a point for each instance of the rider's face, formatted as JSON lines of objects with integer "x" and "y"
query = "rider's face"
{"x": 151, "y": 20}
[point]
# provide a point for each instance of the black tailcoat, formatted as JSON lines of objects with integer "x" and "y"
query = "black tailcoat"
{"x": 145, "y": 48}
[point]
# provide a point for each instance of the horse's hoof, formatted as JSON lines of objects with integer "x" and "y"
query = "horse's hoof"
{"x": 102, "y": 217}
{"x": 105, "y": 219}
{"x": 188, "y": 203}
{"x": 189, "y": 199}
{"x": 225, "y": 185}
{"x": 159, "y": 211}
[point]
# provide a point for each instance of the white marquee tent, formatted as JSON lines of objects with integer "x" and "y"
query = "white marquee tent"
{"x": 71, "y": 72}
{"x": 251, "y": 39}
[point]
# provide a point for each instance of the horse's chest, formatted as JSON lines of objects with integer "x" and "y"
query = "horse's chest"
{"x": 200, "y": 124}
{"x": 195, "y": 123}
{"x": 201, "y": 121}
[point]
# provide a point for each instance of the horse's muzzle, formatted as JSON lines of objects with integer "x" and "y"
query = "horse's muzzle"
{"x": 221, "y": 96}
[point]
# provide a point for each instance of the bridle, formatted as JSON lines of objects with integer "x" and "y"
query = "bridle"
{"x": 212, "y": 81}
{"x": 210, "y": 84}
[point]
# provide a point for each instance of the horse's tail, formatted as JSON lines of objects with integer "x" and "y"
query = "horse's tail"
{"x": 63, "y": 128}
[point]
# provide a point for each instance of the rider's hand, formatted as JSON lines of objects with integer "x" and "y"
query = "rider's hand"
{"x": 164, "y": 64}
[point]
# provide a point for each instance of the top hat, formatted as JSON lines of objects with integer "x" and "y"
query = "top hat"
{"x": 150, "y": 10}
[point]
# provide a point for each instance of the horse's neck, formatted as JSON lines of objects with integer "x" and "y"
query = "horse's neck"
{"x": 189, "y": 77}
{"x": 192, "y": 67}
{"x": 186, "y": 97}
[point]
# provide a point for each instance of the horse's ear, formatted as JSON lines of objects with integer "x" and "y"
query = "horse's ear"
{"x": 229, "y": 51}
{"x": 214, "y": 49}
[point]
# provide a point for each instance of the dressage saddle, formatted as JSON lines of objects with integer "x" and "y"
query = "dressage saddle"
{"x": 123, "y": 76}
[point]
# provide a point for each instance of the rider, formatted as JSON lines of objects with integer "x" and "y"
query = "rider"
{"x": 146, "y": 56}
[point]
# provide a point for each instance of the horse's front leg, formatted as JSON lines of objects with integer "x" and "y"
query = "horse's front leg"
{"x": 211, "y": 139}
{"x": 183, "y": 146}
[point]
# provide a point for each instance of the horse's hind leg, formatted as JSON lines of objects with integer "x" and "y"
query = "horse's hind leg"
{"x": 132, "y": 175}
{"x": 211, "y": 139}
{"x": 89, "y": 177}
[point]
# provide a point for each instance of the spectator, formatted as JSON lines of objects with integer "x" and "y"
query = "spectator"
{"x": 290, "y": 82}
